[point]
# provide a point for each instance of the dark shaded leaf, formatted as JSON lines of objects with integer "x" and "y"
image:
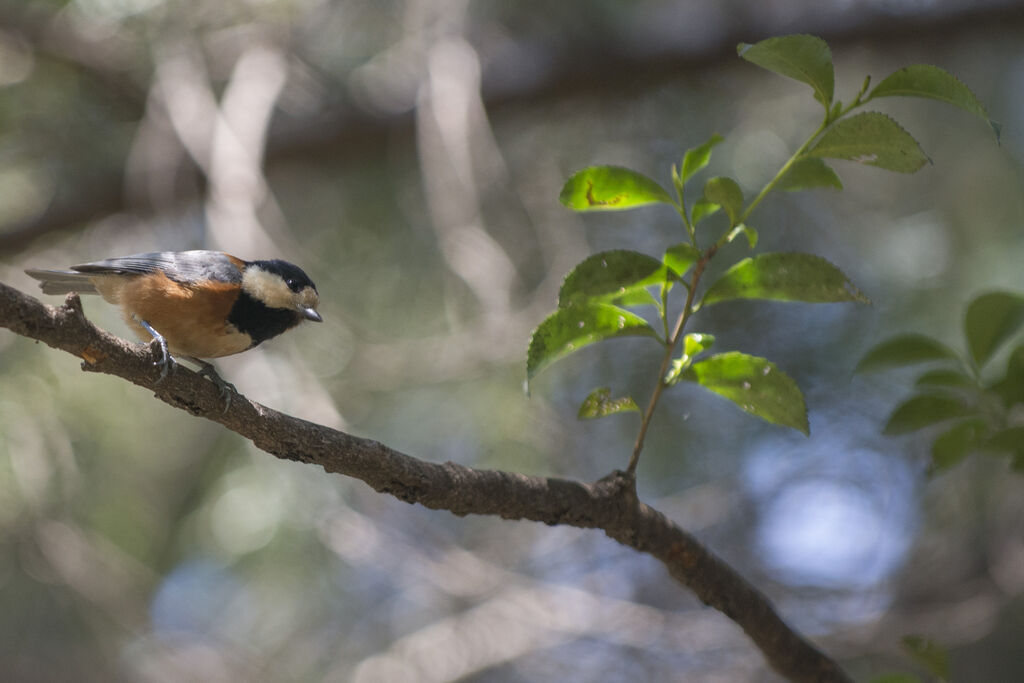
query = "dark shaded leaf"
{"x": 754, "y": 384}
{"x": 727, "y": 194}
{"x": 784, "y": 277}
{"x": 907, "y": 349}
{"x": 610, "y": 275}
{"x": 953, "y": 445}
{"x": 943, "y": 377}
{"x": 807, "y": 173}
{"x": 611, "y": 188}
{"x": 926, "y": 80}
{"x": 991, "y": 320}
{"x": 801, "y": 57}
{"x": 570, "y": 329}
{"x": 896, "y": 678}
{"x": 601, "y": 404}
{"x": 921, "y": 411}
{"x": 874, "y": 139}
{"x": 1011, "y": 387}
{"x": 1009, "y": 441}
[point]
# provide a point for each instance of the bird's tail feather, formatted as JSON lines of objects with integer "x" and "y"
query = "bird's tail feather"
{"x": 62, "y": 281}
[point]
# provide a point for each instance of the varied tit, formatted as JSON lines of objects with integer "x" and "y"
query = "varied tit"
{"x": 196, "y": 304}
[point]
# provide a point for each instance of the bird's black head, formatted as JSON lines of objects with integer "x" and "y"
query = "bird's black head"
{"x": 294, "y": 277}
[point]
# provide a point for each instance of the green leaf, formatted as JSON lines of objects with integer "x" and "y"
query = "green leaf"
{"x": 611, "y": 188}
{"x": 925, "y": 80}
{"x": 928, "y": 654}
{"x": 697, "y": 158}
{"x": 755, "y": 385}
{"x": 807, "y": 173}
{"x": 636, "y": 297}
{"x": 746, "y": 231}
{"x": 727, "y": 194}
{"x": 693, "y": 345}
{"x": 953, "y": 445}
{"x": 907, "y": 349}
{"x": 874, "y": 139}
{"x": 946, "y": 378}
{"x": 801, "y": 57}
{"x": 681, "y": 257}
{"x": 1011, "y": 387}
{"x": 920, "y": 411}
{"x": 570, "y": 329}
{"x": 1009, "y": 441}
{"x": 610, "y": 275}
{"x": 601, "y": 404}
{"x": 783, "y": 277}
{"x": 696, "y": 342}
{"x": 702, "y": 208}
{"x": 991, "y": 320}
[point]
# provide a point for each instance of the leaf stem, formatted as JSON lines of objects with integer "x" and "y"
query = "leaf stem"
{"x": 670, "y": 348}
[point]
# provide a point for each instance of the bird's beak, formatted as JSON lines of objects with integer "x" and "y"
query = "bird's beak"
{"x": 311, "y": 314}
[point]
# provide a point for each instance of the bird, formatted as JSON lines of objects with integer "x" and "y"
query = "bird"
{"x": 196, "y": 304}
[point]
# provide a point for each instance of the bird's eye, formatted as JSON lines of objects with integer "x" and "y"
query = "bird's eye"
{"x": 290, "y": 282}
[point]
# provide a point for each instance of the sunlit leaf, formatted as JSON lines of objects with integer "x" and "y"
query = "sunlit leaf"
{"x": 991, "y": 320}
{"x": 874, "y": 139}
{"x": 807, "y": 173}
{"x": 702, "y": 208}
{"x": 921, "y": 411}
{"x": 926, "y": 80}
{"x": 784, "y": 277}
{"x": 727, "y": 194}
{"x": 570, "y": 329}
{"x": 747, "y": 231}
{"x": 681, "y": 257}
{"x": 611, "y": 188}
{"x": 929, "y": 654}
{"x": 953, "y": 445}
{"x": 601, "y": 404}
{"x": 696, "y": 342}
{"x": 697, "y": 158}
{"x": 801, "y": 57}
{"x": 754, "y": 384}
{"x": 610, "y": 275}
{"x": 907, "y": 349}
{"x": 693, "y": 345}
{"x": 635, "y": 297}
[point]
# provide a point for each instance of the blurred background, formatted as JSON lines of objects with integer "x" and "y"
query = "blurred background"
{"x": 408, "y": 154}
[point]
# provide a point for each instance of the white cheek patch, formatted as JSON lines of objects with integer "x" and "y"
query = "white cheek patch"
{"x": 267, "y": 287}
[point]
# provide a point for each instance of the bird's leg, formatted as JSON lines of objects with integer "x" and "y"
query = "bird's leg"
{"x": 207, "y": 370}
{"x": 166, "y": 359}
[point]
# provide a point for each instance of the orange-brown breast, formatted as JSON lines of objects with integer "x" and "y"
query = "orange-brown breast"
{"x": 192, "y": 320}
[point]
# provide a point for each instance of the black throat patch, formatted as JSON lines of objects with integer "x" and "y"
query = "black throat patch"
{"x": 259, "y": 321}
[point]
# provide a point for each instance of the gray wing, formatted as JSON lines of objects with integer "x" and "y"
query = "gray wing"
{"x": 181, "y": 266}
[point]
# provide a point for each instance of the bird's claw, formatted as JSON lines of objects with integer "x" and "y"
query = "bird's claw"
{"x": 226, "y": 388}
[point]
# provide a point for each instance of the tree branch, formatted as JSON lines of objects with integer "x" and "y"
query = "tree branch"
{"x": 609, "y": 504}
